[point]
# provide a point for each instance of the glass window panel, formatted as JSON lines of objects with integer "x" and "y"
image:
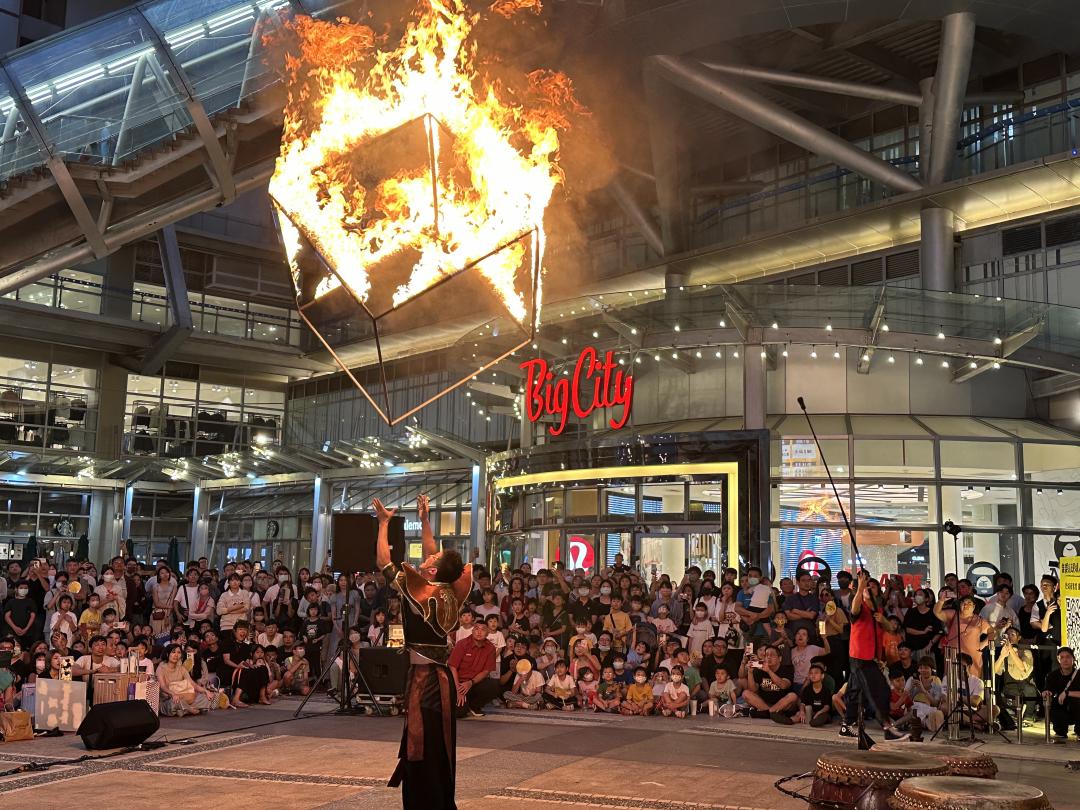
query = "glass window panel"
{"x": 980, "y": 505}
{"x": 19, "y": 152}
{"x": 43, "y": 294}
{"x": 48, "y": 525}
{"x": 1051, "y": 462}
{"x": 1055, "y": 508}
{"x": 466, "y": 523}
{"x": 554, "y": 505}
{"x": 892, "y": 504}
{"x": 960, "y": 426}
{"x": 581, "y": 503}
{"x": 875, "y": 425}
{"x": 447, "y": 523}
{"x": 799, "y": 458}
{"x": 533, "y": 505}
{"x": 663, "y": 500}
{"x": 620, "y": 502}
{"x": 82, "y": 86}
{"x": 824, "y": 424}
{"x": 65, "y": 503}
{"x": 706, "y": 501}
{"x": 978, "y": 460}
{"x": 894, "y": 458}
{"x": 802, "y": 503}
{"x": 1027, "y": 429}
{"x": 19, "y": 500}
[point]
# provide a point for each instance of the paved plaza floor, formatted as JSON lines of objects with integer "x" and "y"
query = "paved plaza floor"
{"x": 531, "y": 761}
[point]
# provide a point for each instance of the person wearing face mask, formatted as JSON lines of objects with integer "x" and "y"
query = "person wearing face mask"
{"x": 583, "y": 610}
{"x": 676, "y": 696}
{"x": 921, "y": 626}
{"x": 20, "y": 615}
{"x": 587, "y": 684}
{"x": 617, "y": 622}
{"x": 755, "y": 604}
{"x": 112, "y": 593}
{"x": 639, "y": 695}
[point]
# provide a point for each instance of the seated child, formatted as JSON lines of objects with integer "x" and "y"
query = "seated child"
{"x": 722, "y": 692}
{"x": 608, "y": 692}
{"x": 900, "y": 701}
{"x": 816, "y": 698}
{"x": 639, "y": 695}
{"x": 676, "y": 696}
{"x": 582, "y": 633}
{"x": 297, "y": 674}
{"x": 561, "y": 691}
{"x": 637, "y": 656}
{"x": 624, "y": 675}
{"x": 526, "y": 690}
{"x": 662, "y": 622}
{"x": 587, "y": 687}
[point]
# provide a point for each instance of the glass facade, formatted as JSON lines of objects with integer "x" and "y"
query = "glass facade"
{"x": 46, "y": 404}
{"x": 55, "y": 516}
{"x": 157, "y": 518}
{"x": 177, "y": 418}
{"x": 1014, "y": 485}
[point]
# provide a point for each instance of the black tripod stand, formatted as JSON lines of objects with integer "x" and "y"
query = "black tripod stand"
{"x": 963, "y": 709}
{"x": 348, "y": 661}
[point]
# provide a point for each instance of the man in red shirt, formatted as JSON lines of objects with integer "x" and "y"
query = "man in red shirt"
{"x": 472, "y": 662}
{"x": 866, "y": 680}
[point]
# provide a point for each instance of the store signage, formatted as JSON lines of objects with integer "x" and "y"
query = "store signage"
{"x": 594, "y": 383}
{"x": 580, "y": 553}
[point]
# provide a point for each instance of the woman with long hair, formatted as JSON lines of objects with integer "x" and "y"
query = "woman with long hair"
{"x": 163, "y": 602}
{"x": 180, "y": 694}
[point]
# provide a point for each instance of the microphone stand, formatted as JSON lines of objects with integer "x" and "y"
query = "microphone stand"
{"x": 865, "y": 741}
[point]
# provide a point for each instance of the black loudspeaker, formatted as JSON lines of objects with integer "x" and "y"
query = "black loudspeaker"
{"x": 355, "y": 535}
{"x": 118, "y": 725}
{"x": 385, "y": 669}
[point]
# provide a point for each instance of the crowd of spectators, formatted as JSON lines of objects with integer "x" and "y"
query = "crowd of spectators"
{"x": 802, "y": 651}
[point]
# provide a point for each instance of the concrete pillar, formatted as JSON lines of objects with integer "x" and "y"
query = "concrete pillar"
{"x": 478, "y": 515}
{"x": 200, "y": 523}
{"x": 105, "y": 526}
{"x": 754, "y": 393}
{"x": 320, "y": 523}
{"x": 937, "y": 249}
{"x": 926, "y": 127}
{"x": 110, "y": 409}
{"x": 118, "y": 282}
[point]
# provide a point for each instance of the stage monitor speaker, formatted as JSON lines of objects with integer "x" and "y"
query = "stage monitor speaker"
{"x": 118, "y": 725}
{"x": 355, "y": 535}
{"x": 385, "y": 669}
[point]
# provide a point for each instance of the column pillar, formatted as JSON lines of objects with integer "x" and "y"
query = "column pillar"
{"x": 937, "y": 250}
{"x": 200, "y": 523}
{"x": 754, "y": 395}
{"x": 105, "y": 528}
{"x": 478, "y": 514}
{"x": 926, "y": 127}
{"x": 109, "y": 411}
{"x": 320, "y": 523}
{"x": 118, "y": 282}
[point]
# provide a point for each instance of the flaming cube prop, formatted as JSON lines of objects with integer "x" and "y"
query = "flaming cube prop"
{"x": 411, "y": 190}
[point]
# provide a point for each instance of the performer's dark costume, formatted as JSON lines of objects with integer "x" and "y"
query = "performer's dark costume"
{"x": 428, "y": 756}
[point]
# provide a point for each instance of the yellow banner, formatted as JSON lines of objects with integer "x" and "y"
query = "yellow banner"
{"x": 1069, "y": 600}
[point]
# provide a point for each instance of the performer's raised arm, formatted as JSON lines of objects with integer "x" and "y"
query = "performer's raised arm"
{"x": 427, "y": 536}
{"x": 382, "y": 548}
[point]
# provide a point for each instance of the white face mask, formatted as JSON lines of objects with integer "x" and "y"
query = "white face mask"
{"x": 582, "y": 591}
{"x": 23, "y": 591}
{"x": 752, "y": 581}
{"x": 109, "y": 578}
{"x": 639, "y": 678}
{"x": 605, "y": 591}
{"x": 283, "y": 578}
{"x": 676, "y": 678}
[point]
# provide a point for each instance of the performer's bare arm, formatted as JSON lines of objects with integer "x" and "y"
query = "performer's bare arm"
{"x": 382, "y": 548}
{"x": 427, "y": 536}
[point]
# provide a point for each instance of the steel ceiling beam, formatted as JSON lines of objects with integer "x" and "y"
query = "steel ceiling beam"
{"x": 695, "y": 78}
{"x": 950, "y": 84}
{"x": 176, "y": 291}
{"x": 823, "y": 84}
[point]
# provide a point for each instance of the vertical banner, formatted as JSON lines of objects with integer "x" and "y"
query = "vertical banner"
{"x": 1069, "y": 600}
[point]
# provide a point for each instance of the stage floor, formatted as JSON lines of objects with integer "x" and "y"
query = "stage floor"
{"x": 536, "y": 761}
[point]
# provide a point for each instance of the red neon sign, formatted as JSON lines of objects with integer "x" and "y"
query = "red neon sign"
{"x": 595, "y": 383}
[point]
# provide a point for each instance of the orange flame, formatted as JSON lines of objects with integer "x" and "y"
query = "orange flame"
{"x": 343, "y": 92}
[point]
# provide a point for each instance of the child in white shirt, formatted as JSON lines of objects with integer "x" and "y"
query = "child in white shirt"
{"x": 676, "y": 696}
{"x": 662, "y": 622}
{"x": 721, "y": 691}
{"x": 465, "y": 623}
{"x": 700, "y": 630}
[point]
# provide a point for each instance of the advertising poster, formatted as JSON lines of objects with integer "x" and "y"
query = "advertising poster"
{"x": 1070, "y": 596}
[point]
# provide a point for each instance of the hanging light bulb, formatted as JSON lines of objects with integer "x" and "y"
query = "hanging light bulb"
{"x": 674, "y": 355}
{"x": 719, "y": 355}
{"x": 723, "y": 324}
{"x": 940, "y": 333}
{"x": 884, "y": 327}
{"x": 697, "y": 354}
{"x": 828, "y": 325}
{"x": 775, "y": 325}
{"x": 918, "y": 360}
{"x": 735, "y": 354}
{"x": 784, "y": 352}
{"x": 657, "y": 358}
{"x": 973, "y": 364}
{"x": 813, "y": 352}
{"x": 892, "y": 358}
{"x": 678, "y": 328}
{"x": 996, "y": 365}
{"x": 764, "y": 354}
{"x": 836, "y": 353}
{"x": 944, "y": 363}
{"x": 997, "y": 340}
{"x": 866, "y": 357}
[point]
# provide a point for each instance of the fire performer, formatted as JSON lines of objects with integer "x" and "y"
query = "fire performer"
{"x": 432, "y": 597}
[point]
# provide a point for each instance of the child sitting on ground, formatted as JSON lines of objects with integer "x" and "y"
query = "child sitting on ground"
{"x": 816, "y": 698}
{"x": 676, "y": 696}
{"x": 639, "y": 695}
{"x": 722, "y": 692}
{"x": 608, "y": 692}
{"x": 587, "y": 687}
{"x": 526, "y": 691}
{"x": 900, "y": 701}
{"x": 561, "y": 691}
{"x": 294, "y": 680}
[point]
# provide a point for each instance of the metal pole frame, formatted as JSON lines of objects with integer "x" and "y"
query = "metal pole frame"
{"x": 820, "y": 83}
{"x": 950, "y": 83}
{"x": 759, "y": 111}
